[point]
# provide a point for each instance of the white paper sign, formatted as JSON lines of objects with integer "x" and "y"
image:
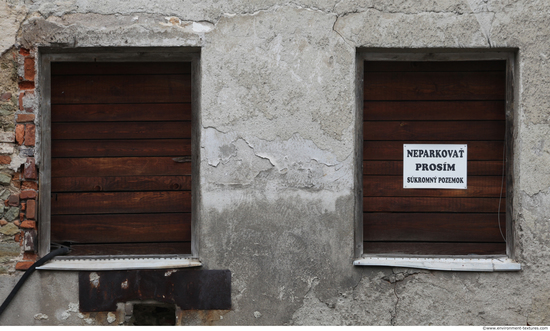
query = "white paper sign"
{"x": 435, "y": 166}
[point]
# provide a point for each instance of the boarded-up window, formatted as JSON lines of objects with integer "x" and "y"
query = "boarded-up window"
{"x": 434, "y": 103}
{"x": 121, "y": 147}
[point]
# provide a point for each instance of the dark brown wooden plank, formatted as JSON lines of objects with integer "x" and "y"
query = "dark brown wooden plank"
{"x": 434, "y": 86}
{"x": 113, "y": 68}
{"x": 121, "y": 228}
{"x": 434, "y": 227}
{"x": 123, "y": 166}
{"x": 434, "y": 248}
{"x": 115, "y": 130}
{"x": 102, "y": 148}
{"x": 433, "y": 130}
{"x": 121, "y": 202}
{"x": 131, "y": 249}
{"x": 433, "y": 110}
{"x": 114, "y": 184}
{"x": 393, "y": 150}
{"x": 423, "y": 205}
{"x": 121, "y": 89}
{"x": 388, "y": 168}
{"x": 121, "y": 112}
{"x": 478, "y": 186}
{"x": 440, "y": 66}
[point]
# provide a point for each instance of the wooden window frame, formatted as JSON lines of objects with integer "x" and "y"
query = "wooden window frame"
{"x": 509, "y": 55}
{"x": 43, "y": 150}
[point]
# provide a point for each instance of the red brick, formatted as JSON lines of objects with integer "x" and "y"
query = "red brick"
{"x": 28, "y": 225}
{"x": 5, "y": 159}
{"x": 29, "y": 68}
{"x": 24, "y": 51}
{"x": 26, "y": 86}
{"x": 13, "y": 200}
{"x": 31, "y": 209}
{"x": 5, "y": 96}
{"x": 21, "y": 95}
{"x": 27, "y": 195}
{"x": 18, "y": 236}
{"x": 20, "y": 133}
{"x": 29, "y": 135}
{"x": 22, "y": 217}
{"x": 21, "y": 118}
{"x": 23, "y": 206}
{"x": 29, "y": 185}
{"x": 17, "y": 223}
{"x": 3, "y": 222}
{"x": 23, "y": 265}
{"x": 30, "y": 256}
{"x": 30, "y": 169}
{"x": 16, "y": 175}
{"x": 16, "y": 183}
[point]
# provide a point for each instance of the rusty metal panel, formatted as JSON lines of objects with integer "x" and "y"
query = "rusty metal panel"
{"x": 188, "y": 289}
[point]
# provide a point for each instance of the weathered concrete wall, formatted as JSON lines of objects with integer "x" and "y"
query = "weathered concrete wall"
{"x": 278, "y": 120}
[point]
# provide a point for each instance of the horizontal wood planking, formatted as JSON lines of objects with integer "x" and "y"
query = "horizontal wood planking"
{"x": 434, "y": 86}
{"x": 131, "y": 249}
{"x": 429, "y": 204}
{"x": 439, "y": 66}
{"x": 121, "y": 202}
{"x": 126, "y": 227}
{"x": 395, "y": 168}
{"x": 433, "y": 110}
{"x": 104, "y": 148}
{"x": 128, "y": 183}
{"x": 393, "y": 150}
{"x": 121, "y": 112}
{"x": 116, "y": 130}
{"x": 114, "y": 68}
{"x": 433, "y": 130}
{"x": 420, "y": 248}
{"x": 120, "y": 89}
{"x": 433, "y": 227}
{"x": 123, "y": 166}
{"x": 478, "y": 186}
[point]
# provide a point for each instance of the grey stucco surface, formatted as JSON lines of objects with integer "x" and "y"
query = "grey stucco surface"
{"x": 278, "y": 121}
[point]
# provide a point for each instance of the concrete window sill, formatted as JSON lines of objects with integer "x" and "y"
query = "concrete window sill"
{"x": 119, "y": 263}
{"x": 445, "y": 264}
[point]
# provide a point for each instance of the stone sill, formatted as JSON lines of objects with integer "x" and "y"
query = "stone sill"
{"x": 119, "y": 263}
{"x": 445, "y": 264}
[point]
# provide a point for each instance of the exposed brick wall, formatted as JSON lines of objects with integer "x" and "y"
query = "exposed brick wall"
{"x": 18, "y": 172}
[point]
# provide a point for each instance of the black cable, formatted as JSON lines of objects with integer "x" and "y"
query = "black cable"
{"x": 27, "y": 274}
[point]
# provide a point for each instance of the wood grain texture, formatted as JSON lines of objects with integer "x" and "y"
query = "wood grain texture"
{"x": 420, "y": 248}
{"x": 434, "y": 130}
{"x": 441, "y": 205}
{"x": 121, "y": 112}
{"x": 121, "y": 202}
{"x": 393, "y": 150}
{"x": 478, "y": 186}
{"x": 434, "y": 227}
{"x": 117, "y": 68}
{"x": 395, "y": 168}
{"x": 121, "y": 227}
{"x": 109, "y": 148}
{"x": 437, "y": 66}
{"x": 127, "y": 183}
{"x": 433, "y": 110}
{"x": 434, "y": 86}
{"x": 116, "y": 130}
{"x": 121, "y": 89}
{"x": 131, "y": 249}
{"x": 123, "y": 166}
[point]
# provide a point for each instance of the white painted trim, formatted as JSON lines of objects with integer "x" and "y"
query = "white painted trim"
{"x": 119, "y": 264}
{"x": 448, "y": 264}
